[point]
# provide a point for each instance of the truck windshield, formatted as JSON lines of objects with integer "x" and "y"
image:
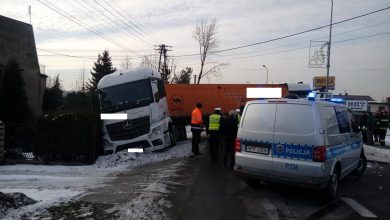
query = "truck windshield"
{"x": 126, "y": 96}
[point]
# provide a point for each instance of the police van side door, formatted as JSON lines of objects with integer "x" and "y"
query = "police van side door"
{"x": 343, "y": 151}
{"x": 356, "y": 141}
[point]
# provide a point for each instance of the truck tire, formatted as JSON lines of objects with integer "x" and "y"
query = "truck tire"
{"x": 182, "y": 132}
{"x": 172, "y": 136}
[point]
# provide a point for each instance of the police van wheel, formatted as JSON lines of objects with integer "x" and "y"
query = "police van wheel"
{"x": 361, "y": 166}
{"x": 331, "y": 190}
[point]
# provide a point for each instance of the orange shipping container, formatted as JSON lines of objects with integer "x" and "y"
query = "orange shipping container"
{"x": 182, "y": 98}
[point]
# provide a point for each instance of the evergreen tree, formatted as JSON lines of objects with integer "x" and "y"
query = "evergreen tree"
{"x": 103, "y": 66}
{"x": 184, "y": 77}
{"x": 52, "y": 99}
{"x": 13, "y": 99}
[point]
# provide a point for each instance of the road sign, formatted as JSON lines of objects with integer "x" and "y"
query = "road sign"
{"x": 357, "y": 105}
{"x": 319, "y": 82}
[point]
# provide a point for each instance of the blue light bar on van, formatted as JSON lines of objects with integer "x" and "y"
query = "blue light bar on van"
{"x": 311, "y": 96}
{"x": 336, "y": 100}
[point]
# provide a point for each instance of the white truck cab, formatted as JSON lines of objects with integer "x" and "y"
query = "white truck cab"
{"x": 140, "y": 94}
{"x": 306, "y": 142}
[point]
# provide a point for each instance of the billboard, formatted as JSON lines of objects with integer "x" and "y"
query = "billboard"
{"x": 357, "y": 105}
{"x": 319, "y": 82}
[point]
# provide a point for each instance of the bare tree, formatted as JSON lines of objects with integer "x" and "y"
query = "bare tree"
{"x": 149, "y": 62}
{"x": 205, "y": 33}
{"x": 126, "y": 63}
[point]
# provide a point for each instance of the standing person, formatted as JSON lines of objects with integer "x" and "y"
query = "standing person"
{"x": 383, "y": 124}
{"x": 371, "y": 122}
{"x": 229, "y": 132}
{"x": 196, "y": 128}
{"x": 213, "y": 129}
{"x": 363, "y": 126}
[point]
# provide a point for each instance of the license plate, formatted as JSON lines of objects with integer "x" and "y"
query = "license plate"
{"x": 258, "y": 150}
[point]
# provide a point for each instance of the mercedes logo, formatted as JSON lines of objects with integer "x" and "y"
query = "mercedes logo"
{"x": 127, "y": 124}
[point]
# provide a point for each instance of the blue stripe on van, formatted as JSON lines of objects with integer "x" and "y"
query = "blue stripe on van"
{"x": 301, "y": 152}
{"x": 292, "y": 151}
{"x": 338, "y": 150}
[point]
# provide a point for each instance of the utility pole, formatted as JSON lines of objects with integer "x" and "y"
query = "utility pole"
{"x": 163, "y": 67}
{"x": 29, "y": 12}
{"x": 330, "y": 41}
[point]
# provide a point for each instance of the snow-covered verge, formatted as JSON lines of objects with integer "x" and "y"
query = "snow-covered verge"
{"x": 50, "y": 185}
{"x": 13, "y": 201}
{"x": 381, "y": 154}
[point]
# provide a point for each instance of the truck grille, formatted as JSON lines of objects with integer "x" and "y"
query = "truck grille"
{"x": 128, "y": 129}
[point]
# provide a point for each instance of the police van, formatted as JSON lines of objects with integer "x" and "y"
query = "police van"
{"x": 308, "y": 142}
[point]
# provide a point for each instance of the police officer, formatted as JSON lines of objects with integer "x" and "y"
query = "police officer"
{"x": 371, "y": 122}
{"x": 229, "y": 129}
{"x": 383, "y": 124}
{"x": 363, "y": 126}
{"x": 213, "y": 129}
{"x": 196, "y": 128}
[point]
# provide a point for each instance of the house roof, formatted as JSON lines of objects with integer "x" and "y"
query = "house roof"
{"x": 354, "y": 97}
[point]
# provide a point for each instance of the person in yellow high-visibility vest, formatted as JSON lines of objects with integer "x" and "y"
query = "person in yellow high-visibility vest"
{"x": 214, "y": 134}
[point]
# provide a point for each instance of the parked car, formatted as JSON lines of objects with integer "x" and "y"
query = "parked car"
{"x": 309, "y": 143}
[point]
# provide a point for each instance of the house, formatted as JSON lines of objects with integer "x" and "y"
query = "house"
{"x": 17, "y": 41}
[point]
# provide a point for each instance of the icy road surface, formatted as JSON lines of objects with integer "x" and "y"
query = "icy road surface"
{"x": 51, "y": 185}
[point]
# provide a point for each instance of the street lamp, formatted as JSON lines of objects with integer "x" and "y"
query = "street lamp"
{"x": 330, "y": 40}
{"x": 266, "y": 82}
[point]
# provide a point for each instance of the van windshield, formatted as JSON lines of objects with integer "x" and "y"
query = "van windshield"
{"x": 126, "y": 96}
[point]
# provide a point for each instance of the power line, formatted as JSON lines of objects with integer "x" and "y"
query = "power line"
{"x": 121, "y": 21}
{"x": 136, "y": 27}
{"x": 141, "y": 27}
{"x": 117, "y": 26}
{"x": 290, "y": 35}
{"x": 70, "y": 17}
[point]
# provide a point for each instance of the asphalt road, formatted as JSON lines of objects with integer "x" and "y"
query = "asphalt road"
{"x": 210, "y": 191}
{"x": 197, "y": 188}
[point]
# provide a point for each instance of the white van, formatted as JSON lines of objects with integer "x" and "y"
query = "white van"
{"x": 305, "y": 142}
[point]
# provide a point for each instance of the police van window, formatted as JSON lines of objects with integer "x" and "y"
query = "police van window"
{"x": 332, "y": 126}
{"x": 343, "y": 120}
{"x": 259, "y": 117}
{"x": 354, "y": 124}
{"x": 294, "y": 119}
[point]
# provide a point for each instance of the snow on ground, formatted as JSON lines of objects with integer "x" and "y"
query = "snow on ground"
{"x": 381, "y": 154}
{"x": 150, "y": 204}
{"x": 52, "y": 184}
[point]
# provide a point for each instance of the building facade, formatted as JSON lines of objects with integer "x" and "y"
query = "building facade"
{"x": 17, "y": 42}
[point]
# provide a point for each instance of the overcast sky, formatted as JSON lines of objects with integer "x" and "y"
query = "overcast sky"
{"x": 360, "y": 52}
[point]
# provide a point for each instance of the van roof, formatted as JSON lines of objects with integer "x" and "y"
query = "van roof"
{"x": 295, "y": 101}
{"x": 120, "y": 76}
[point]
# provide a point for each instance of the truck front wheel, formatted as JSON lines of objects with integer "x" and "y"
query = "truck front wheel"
{"x": 172, "y": 136}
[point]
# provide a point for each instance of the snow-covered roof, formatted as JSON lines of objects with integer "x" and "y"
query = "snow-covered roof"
{"x": 120, "y": 76}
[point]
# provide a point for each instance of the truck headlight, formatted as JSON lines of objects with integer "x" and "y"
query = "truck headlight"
{"x": 156, "y": 132}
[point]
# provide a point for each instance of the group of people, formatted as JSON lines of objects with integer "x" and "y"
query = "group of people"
{"x": 374, "y": 127}
{"x": 221, "y": 130}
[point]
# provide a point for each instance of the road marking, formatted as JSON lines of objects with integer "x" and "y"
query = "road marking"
{"x": 113, "y": 116}
{"x": 358, "y": 208}
{"x": 135, "y": 150}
